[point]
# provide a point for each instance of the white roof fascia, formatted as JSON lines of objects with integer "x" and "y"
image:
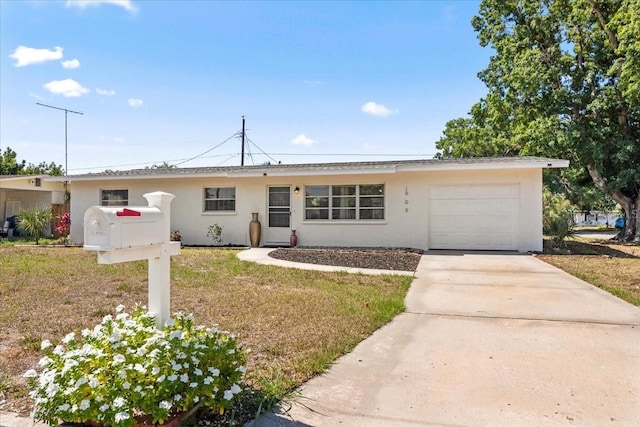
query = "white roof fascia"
{"x": 534, "y": 164}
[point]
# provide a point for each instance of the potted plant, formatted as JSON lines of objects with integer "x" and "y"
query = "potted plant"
{"x": 124, "y": 372}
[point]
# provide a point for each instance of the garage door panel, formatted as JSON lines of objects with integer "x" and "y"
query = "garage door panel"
{"x": 483, "y": 217}
{"x": 497, "y": 191}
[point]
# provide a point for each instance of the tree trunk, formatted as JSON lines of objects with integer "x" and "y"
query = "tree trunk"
{"x": 630, "y": 205}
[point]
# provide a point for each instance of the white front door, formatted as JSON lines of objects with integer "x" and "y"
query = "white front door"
{"x": 278, "y": 215}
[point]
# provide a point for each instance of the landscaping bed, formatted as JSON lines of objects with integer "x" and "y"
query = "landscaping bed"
{"x": 376, "y": 258}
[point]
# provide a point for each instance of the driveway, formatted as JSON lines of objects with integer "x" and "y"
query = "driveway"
{"x": 487, "y": 340}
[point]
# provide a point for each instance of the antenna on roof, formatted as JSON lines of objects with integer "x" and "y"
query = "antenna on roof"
{"x": 242, "y": 155}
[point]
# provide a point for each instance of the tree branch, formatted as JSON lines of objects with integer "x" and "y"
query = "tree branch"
{"x": 599, "y": 181}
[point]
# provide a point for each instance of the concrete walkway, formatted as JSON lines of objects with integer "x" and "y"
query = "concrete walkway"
{"x": 487, "y": 340}
{"x": 261, "y": 256}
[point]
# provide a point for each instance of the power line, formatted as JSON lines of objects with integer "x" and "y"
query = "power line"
{"x": 209, "y": 150}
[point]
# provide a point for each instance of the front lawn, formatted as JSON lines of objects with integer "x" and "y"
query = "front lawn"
{"x": 608, "y": 265}
{"x": 295, "y": 322}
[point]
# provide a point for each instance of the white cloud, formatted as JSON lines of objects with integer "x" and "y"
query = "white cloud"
{"x": 302, "y": 139}
{"x": 135, "y": 103}
{"x": 70, "y": 64}
{"x": 378, "y": 110}
{"x": 105, "y": 92}
{"x": 67, "y": 88}
{"x": 27, "y": 55}
{"x": 82, "y": 4}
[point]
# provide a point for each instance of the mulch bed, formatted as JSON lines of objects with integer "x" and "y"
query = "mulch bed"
{"x": 401, "y": 259}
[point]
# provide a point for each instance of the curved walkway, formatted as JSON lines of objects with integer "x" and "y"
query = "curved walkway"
{"x": 261, "y": 256}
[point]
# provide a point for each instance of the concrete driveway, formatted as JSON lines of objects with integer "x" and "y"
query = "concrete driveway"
{"x": 487, "y": 340}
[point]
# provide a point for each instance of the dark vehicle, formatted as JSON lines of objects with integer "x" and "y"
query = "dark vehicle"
{"x": 619, "y": 222}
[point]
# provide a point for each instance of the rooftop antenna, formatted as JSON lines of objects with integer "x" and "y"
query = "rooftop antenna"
{"x": 242, "y": 155}
{"x": 66, "y": 111}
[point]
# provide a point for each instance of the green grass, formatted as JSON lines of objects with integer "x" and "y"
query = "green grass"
{"x": 295, "y": 322}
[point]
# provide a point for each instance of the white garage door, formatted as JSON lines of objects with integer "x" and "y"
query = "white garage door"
{"x": 474, "y": 217}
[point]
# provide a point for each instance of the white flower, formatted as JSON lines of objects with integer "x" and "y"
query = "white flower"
{"x": 196, "y": 399}
{"x": 193, "y": 385}
{"x": 93, "y": 382}
{"x": 85, "y": 404}
{"x": 155, "y": 370}
{"x": 81, "y": 381}
{"x": 176, "y": 366}
{"x": 126, "y": 385}
{"x": 208, "y": 380}
{"x": 184, "y": 378}
{"x": 169, "y": 322}
{"x": 235, "y": 389}
{"x": 214, "y": 372}
{"x": 119, "y": 402}
{"x": 44, "y": 361}
{"x": 232, "y": 351}
{"x": 172, "y": 377}
{"x": 122, "y": 373}
{"x": 104, "y": 407}
{"x": 175, "y": 334}
{"x": 69, "y": 337}
{"x": 119, "y": 308}
{"x": 86, "y": 332}
{"x": 45, "y": 344}
{"x": 177, "y": 397}
{"x": 107, "y": 318}
{"x": 138, "y": 367}
{"x": 165, "y": 405}
{"x": 121, "y": 416}
{"x": 31, "y": 373}
{"x": 64, "y": 407}
{"x": 197, "y": 371}
{"x": 161, "y": 378}
{"x": 241, "y": 369}
{"x": 59, "y": 350}
{"x": 138, "y": 389}
{"x": 228, "y": 395}
{"x": 118, "y": 358}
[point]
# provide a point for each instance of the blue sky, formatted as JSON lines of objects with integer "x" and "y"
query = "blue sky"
{"x": 165, "y": 81}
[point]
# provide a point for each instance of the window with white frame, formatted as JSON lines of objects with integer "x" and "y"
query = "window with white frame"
{"x": 344, "y": 202}
{"x": 220, "y": 199}
{"x": 114, "y": 197}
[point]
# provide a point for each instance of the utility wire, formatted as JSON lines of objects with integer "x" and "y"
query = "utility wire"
{"x": 261, "y": 150}
{"x": 209, "y": 150}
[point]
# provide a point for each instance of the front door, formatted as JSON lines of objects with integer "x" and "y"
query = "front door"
{"x": 279, "y": 215}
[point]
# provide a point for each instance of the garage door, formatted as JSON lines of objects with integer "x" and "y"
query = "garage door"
{"x": 474, "y": 217}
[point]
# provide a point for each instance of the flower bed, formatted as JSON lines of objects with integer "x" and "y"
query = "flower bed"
{"x": 125, "y": 369}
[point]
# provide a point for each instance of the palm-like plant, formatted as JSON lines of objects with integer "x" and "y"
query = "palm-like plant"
{"x": 34, "y": 221}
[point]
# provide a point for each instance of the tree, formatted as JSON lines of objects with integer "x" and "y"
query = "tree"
{"x": 564, "y": 82}
{"x": 9, "y": 165}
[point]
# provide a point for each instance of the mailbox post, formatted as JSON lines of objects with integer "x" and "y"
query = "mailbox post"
{"x": 136, "y": 233}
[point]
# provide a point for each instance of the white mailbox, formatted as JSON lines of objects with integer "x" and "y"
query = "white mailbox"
{"x": 112, "y": 228}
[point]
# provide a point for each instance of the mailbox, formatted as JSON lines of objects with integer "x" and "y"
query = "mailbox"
{"x": 112, "y": 228}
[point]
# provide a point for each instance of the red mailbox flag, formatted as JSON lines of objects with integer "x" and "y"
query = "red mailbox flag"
{"x": 127, "y": 212}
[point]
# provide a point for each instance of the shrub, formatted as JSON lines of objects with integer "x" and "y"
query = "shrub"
{"x": 34, "y": 221}
{"x": 126, "y": 368}
{"x": 215, "y": 232}
{"x": 557, "y": 220}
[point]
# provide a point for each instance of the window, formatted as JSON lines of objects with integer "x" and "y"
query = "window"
{"x": 344, "y": 202}
{"x": 115, "y": 197}
{"x": 220, "y": 199}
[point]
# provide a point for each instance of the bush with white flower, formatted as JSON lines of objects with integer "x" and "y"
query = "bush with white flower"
{"x": 126, "y": 368}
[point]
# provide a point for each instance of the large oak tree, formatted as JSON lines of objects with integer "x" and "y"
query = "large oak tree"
{"x": 564, "y": 82}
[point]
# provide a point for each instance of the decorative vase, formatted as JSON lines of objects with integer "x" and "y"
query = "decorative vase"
{"x": 293, "y": 240}
{"x": 255, "y": 230}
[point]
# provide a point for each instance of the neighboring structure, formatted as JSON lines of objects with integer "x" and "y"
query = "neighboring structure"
{"x": 596, "y": 218}
{"x": 478, "y": 203}
{"x": 29, "y": 191}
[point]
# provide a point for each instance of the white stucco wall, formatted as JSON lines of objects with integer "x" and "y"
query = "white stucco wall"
{"x": 406, "y": 206}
